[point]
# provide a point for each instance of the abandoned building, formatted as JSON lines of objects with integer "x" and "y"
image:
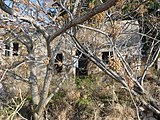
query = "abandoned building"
{"x": 124, "y": 34}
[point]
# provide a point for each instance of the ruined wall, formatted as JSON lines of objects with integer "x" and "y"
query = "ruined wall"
{"x": 123, "y": 34}
{"x": 158, "y": 64}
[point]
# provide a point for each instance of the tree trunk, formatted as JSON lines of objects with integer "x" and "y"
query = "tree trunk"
{"x": 33, "y": 84}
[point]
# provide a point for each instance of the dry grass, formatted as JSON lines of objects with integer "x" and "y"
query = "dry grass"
{"x": 85, "y": 99}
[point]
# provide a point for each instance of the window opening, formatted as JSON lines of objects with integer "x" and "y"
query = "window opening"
{"x": 58, "y": 62}
{"x": 106, "y": 55}
{"x": 7, "y": 49}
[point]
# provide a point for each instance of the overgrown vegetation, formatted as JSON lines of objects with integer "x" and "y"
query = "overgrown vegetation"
{"x": 89, "y": 98}
{"x": 43, "y": 46}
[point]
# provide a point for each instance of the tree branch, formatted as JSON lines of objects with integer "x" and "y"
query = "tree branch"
{"x": 5, "y": 8}
{"x": 91, "y": 13}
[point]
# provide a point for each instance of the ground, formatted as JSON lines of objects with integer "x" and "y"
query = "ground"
{"x": 85, "y": 98}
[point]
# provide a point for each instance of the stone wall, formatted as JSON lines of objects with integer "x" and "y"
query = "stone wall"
{"x": 127, "y": 41}
{"x": 158, "y": 64}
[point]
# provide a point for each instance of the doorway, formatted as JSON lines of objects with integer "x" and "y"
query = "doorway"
{"x": 82, "y": 63}
{"x": 15, "y": 48}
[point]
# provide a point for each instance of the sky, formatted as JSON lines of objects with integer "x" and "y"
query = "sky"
{"x": 48, "y": 2}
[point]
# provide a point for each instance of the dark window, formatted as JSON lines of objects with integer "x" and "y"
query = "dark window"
{"x": 7, "y": 49}
{"x": 82, "y": 64}
{"x": 15, "y": 49}
{"x": 105, "y": 56}
{"x": 58, "y": 63}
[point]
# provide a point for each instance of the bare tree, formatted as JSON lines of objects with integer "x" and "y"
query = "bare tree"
{"x": 36, "y": 17}
{"x": 36, "y": 22}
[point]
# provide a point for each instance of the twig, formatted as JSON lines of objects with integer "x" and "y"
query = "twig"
{"x": 11, "y": 117}
{"x": 3, "y": 75}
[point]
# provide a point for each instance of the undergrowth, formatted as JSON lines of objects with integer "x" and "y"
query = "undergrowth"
{"x": 90, "y": 98}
